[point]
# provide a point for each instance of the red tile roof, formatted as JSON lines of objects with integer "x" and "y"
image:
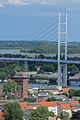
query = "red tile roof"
{"x": 74, "y": 102}
{"x": 65, "y": 106}
{"x": 66, "y": 89}
{"x": 49, "y": 103}
{"x": 41, "y": 100}
{"x": 23, "y": 105}
{"x": 37, "y": 66}
{"x": 1, "y": 115}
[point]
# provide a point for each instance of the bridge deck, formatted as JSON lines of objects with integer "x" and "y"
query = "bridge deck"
{"x": 40, "y": 60}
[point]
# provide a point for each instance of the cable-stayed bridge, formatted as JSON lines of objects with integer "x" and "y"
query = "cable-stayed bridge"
{"x": 58, "y": 33}
{"x": 40, "y": 60}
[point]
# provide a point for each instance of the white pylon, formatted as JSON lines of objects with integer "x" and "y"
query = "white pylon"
{"x": 62, "y": 81}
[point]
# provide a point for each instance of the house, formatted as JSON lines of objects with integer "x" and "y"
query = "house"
{"x": 75, "y": 80}
{"x": 75, "y": 105}
{"x": 55, "y": 106}
{"x": 52, "y": 106}
{"x": 50, "y": 88}
{"x": 69, "y": 106}
{"x": 38, "y": 67}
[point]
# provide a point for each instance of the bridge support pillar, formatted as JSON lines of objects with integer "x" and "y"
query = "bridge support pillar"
{"x": 59, "y": 75}
{"x": 62, "y": 75}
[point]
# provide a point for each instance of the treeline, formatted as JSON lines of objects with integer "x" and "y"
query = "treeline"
{"x": 47, "y": 47}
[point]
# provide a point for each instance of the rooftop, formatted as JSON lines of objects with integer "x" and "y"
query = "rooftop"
{"x": 65, "y": 106}
{"x": 66, "y": 89}
{"x": 77, "y": 76}
{"x": 23, "y": 104}
{"x": 34, "y": 103}
{"x": 74, "y": 102}
{"x": 49, "y": 103}
{"x": 49, "y": 87}
{"x": 20, "y": 75}
{"x": 1, "y": 115}
{"x": 63, "y": 102}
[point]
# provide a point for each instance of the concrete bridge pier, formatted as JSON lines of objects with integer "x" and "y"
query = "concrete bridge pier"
{"x": 62, "y": 75}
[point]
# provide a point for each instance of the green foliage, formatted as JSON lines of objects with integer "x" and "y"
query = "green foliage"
{"x": 29, "y": 100}
{"x": 12, "y": 111}
{"x": 77, "y": 92}
{"x": 3, "y": 75}
{"x": 29, "y": 94}
{"x": 71, "y": 93}
{"x": 64, "y": 115}
{"x": 10, "y": 86}
{"x": 40, "y": 71}
{"x": 40, "y": 113}
{"x": 7, "y": 70}
{"x": 79, "y": 100}
{"x": 51, "y": 99}
{"x": 76, "y": 115}
{"x": 74, "y": 69}
{"x": 48, "y": 68}
{"x": 65, "y": 93}
{"x": 39, "y": 46}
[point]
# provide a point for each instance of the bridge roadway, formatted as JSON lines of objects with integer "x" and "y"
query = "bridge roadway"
{"x": 40, "y": 60}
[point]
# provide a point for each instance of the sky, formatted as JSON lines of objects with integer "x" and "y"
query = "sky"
{"x": 23, "y": 19}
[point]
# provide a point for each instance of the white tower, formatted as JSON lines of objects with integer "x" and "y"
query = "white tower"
{"x": 62, "y": 40}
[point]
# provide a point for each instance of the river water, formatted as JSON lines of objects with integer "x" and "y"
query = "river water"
{"x": 37, "y": 85}
{"x": 17, "y": 51}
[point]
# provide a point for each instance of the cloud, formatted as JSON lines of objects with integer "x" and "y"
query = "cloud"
{"x": 1, "y": 5}
{"x": 18, "y": 2}
{"x": 14, "y": 2}
{"x": 42, "y": 2}
{"x": 55, "y": 2}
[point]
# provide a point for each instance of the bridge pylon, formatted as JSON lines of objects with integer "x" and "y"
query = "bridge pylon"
{"x": 62, "y": 41}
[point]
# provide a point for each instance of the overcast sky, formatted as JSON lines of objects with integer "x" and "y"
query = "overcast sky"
{"x": 20, "y": 19}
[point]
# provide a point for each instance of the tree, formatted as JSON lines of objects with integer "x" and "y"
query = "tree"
{"x": 65, "y": 93}
{"x": 64, "y": 115}
{"x": 40, "y": 72}
{"x": 77, "y": 92}
{"x": 48, "y": 68}
{"x": 12, "y": 111}
{"x": 71, "y": 93}
{"x": 40, "y": 113}
{"x": 3, "y": 75}
{"x": 79, "y": 100}
{"x": 10, "y": 87}
{"x": 51, "y": 99}
{"x": 76, "y": 115}
{"x": 74, "y": 69}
